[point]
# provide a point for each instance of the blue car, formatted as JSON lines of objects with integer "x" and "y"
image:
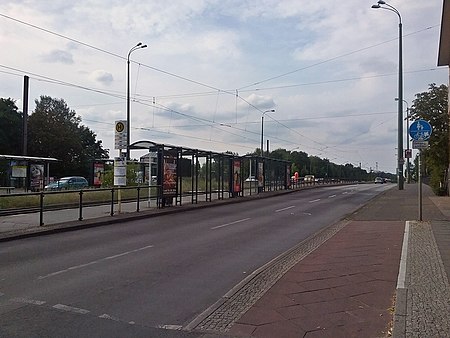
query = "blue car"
{"x": 68, "y": 183}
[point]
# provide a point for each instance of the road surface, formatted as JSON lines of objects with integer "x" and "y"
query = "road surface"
{"x": 151, "y": 277}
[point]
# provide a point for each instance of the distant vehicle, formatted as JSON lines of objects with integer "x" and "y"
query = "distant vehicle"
{"x": 251, "y": 179}
{"x": 66, "y": 183}
{"x": 309, "y": 179}
{"x": 379, "y": 180}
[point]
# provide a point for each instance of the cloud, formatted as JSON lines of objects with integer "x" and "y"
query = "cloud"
{"x": 58, "y": 56}
{"x": 102, "y": 76}
{"x": 259, "y": 101}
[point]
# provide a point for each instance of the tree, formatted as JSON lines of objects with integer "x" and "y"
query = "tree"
{"x": 432, "y": 106}
{"x": 54, "y": 130}
{"x": 11, "y": 128}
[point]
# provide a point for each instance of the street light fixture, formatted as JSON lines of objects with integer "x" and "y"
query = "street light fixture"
{"x": 262, "y": 128}
{"x": 139, "y": 45}
{"x": 383, "y": 5}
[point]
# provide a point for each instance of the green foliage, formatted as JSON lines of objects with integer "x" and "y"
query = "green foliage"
{"x": 323, "y": 168}
{"x": 56, "y": 131}
{"x": 432, "y": 106}
{"x": 11, "y": 130}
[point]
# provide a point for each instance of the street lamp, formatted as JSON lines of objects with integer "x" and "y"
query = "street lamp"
{"x": 262, "y": 128}
{"x": 408, "y": 176}
{"x": 383, "y": 5}
{"x": 139, "y": 45}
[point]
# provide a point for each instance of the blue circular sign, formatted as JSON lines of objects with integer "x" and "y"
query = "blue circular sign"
{"x": 420, "y": 130}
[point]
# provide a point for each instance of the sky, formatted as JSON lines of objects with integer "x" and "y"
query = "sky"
{"x": 214, "y": 68}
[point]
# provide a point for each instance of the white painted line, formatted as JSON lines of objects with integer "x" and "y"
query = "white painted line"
{"x": 287, "y": 208}
{"x": 170, "y": 327}
{"x": 307, "y": 213}
{"x": 402, "y": 269}
{"x": 313, "y": 201}
{"x": 94, "y": 262}
{"x": 106, "y": 316}
{"x": 70, "y": 309}
{"x": 225, "y": 225}
{"x": 332, "y": 196}
{"x": 28, "y": 301}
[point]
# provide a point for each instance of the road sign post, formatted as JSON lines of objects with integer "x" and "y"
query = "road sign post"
{"x": 420, "y": 131}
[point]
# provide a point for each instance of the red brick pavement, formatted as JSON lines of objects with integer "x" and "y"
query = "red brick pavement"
{"x": 343, "y": 289}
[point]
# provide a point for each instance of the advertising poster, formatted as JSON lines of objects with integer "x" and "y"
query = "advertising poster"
{"x": 169, "y": 175}
{"x": 236, "y": 176}
{"x": 36, "y": 176}
{"x": 19, "y": 171}
{"x": 260, "y": 174}
{"x": 99, "y": 170}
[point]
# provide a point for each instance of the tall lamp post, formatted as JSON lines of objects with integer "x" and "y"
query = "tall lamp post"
{"x": 383, "y": 5}
{"x": 139, "y": 45}
{"x": 262, "y": 128}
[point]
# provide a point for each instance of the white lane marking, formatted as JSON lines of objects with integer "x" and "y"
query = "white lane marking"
{"x": 94, "y": 262}
{"x": 345, "y": 193}
{"x": 307, "y": 213}
{"x": 227, "y": 224}
{"x": 70, "y": 309}
{"x": 402, "y": 269}
{"x": 27, "y": 301}
{"x": 170, "y": 327}
{"x": 332, "y": 196}
{"x": 313, "y": 201}
{"x": 287, "y": 208}
{"x": 106, "y": 316}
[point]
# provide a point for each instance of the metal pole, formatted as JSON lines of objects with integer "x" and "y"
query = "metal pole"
{"x": 138, "y": 46}
{"x": 262, "y": 134}
{"x": 128, "y": 106}
{"x": 408, "y": 174}
{"x": 420, "y": 185}
{"x": 26, "y": 85}
{"x": 383, "y": 5}
{"x": 400, "y": 109}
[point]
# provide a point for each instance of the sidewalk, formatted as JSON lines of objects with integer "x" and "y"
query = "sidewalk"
{"x": 350, "y": 285}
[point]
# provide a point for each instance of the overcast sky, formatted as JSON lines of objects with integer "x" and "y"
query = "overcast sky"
{"x": 328, "y": 68}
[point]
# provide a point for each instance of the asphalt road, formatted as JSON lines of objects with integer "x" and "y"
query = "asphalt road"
{"x": 136, "y": 278}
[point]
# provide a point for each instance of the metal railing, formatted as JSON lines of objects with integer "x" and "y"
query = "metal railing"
{"x": 111, "y": 201}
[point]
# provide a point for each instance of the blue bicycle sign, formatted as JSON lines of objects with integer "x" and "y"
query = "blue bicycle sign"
{"x": 420, "y": 130}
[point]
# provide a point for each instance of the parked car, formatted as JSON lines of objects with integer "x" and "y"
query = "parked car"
{"x": 379, "y": 180}
{"x": 66, "y": 183}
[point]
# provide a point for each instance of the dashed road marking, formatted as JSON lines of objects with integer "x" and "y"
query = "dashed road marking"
{"x": 287, "y": 208}
{"x": 94, "y": 262}
{"x": 70, "y": 309}
{"x": 170, "y": 327}
{"x": 27, "y": 301}
{"x": 231, "y": 223}
{"x": 106, "y": 316}
{"x": 332, "y": 196}
{"x": 313, "y": 201}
